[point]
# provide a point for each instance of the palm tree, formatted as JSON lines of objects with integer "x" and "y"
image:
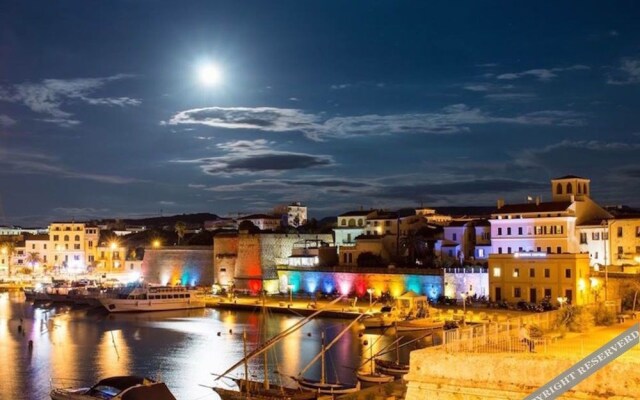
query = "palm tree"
{"x": 33, "y": 258}
{"x": 180, "y": 229}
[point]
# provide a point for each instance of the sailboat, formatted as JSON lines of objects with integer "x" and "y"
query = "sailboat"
{"x": 393, "y": 368}
{"x": 322, "y": 386}
{"x": 264, "y": 390}
{"x": 373, "y": 376}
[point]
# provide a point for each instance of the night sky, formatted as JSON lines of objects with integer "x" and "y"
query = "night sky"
{"x": 337, "y": 104}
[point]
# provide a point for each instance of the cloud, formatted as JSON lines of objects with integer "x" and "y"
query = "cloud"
{"x": 50, "y": 95}
{"x": 295, "y": 184}
{"x": 260, "y": 118}
{"x": 510, "y": 96}
{"x": 541, "y": 74}
{"x": 80, "y": 211}
{"x": 294, "y": 99}
{"x": 16, "y": 161}
{"x": 628, "y": 73}
{"x": 6, "y": 120}
{"x": 340, "y": 86}
{"x": 452, "y": 119}
{"x": 254, "y": 157}
{"x": 487, "y": 65}
{"x": 613, "y": 33}
{"x": 196, "y": 186}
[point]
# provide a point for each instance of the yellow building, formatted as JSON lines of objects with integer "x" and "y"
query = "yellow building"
{"x": 532, "y": 276}
{"x": 67, "y": 246}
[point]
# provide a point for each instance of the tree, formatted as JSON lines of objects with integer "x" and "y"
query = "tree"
{"x": 32, "y": 259}
{"x": 180, "y": 228}
{"x": 412, "y": 245}
{"x": 7, "y": 250}
{"x": 370, "y": 260}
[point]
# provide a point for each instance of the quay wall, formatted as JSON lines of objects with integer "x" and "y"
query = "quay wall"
{"x": 438, "y": 375}
{"x": 192, "y": 265}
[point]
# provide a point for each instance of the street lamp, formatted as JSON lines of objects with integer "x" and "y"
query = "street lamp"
{"x": 594, "y": 288}
{"x": 290, "y": 294}
{"x": 156, "y": 244}
{"x": 370, "y": 291}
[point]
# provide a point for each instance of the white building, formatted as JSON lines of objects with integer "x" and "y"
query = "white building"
{"x": 349, "y": 226}
{"x": 262, "y": 221}
{"x": 296, "y": 214}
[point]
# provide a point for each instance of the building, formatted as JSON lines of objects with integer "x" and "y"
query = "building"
{"x": 535, "y": 247}
{"x": 296, "y": 215}
{"x": 67, "y": 245}
{"x": 262, "y": 221}
{"x": 349, "y": 226}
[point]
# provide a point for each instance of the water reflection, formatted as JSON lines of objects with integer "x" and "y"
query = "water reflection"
{"x": 80, "y": 346}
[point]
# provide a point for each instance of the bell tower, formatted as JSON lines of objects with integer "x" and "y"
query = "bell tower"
{"x": 570, "y": 187}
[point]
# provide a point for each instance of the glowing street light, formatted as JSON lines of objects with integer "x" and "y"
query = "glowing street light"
{"x": 562, "y": 300}
{"x": 156, "y": 244}
{"x": 370, "y": 291}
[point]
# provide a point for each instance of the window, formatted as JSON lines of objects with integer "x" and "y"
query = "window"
{"x": 516, "y": 272}
{"x": 509, "y": 231}
{"x": 538, "y": 230}
{"x": 77, "y": 238}
{"x": 532, "y": 272}
{"x": 508, "y": 250}
{"x": 520, "y": 249}
{"x": 344, "y": 258}
{"x": 90, "y": 244}
{"x": 547, "y": 292}
{"x": 620, "y": 251}
{"x": 569, "y": 188}
{"x": 90, "y": 259}
{"x": 559, "y": 249}
{"x": 595, "y": 235}
{"x": 499, "y": 250}
{"x": 343, "y": 222}
{"x": 56, "y": 238}
{"x": 516, "y": 292}
{"x": 499, "y": 231}
{"x": 637, "y": 250}
{"x": 360, "y": 222}
{"x": 33, "y": 247}
{"x": 66, "y": 238}
{"x": 619, "y": 231}
{"x": 387, "y": 223}
{"x": 548, "y": 250}
{"x": 605, "y": 235}
{"x": 638, "y": 231}
{"x": 559, "y": 188}
{"x": 539, "y": 249}
{"x": 76, "y": 246}
{"x": 131, "y": 266}
{"x": 76, "y": 257}
{"x": 519, "y": 230}
{"x": 583, "y": 237}
{"x": 388, "y": 232}
{"x": 496, "y": 272}
{"x": 547, "y": 273}
{"x": 569, "y": 295}
{"x": 45, "y": 246}
{"x": 481, "y": 253}
{"x": 567, "y": 273}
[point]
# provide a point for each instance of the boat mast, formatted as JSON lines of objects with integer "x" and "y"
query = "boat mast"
{"x": 246, "y": 363}
{"x": 322, "y": 373}
{"x": 397, "y": 345}
{"x": 264, "y": 329}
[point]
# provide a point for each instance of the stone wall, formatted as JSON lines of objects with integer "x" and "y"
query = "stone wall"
{"x": 457, "y": 283}
{"x": 437, "y": 375}
{"x": 225, "y": 254}
{"x": 192, "y": 265}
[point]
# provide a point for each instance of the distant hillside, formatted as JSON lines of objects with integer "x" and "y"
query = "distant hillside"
{"x": 189, "y": 219}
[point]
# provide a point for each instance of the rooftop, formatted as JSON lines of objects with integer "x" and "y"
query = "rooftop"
{"x": 555, "y": 206}
{"x": 570, "y": 177}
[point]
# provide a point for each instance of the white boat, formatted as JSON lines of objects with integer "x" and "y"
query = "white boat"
{"x": 117, "y": 388}
{"x": 147, "y": 297}
{"x": 383, "y": 319}
{"x": 419, "y": 324}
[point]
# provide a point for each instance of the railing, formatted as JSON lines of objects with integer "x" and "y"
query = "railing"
{"x": 498, "y": 334}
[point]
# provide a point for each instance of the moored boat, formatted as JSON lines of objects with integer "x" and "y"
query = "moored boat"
{"x": 419, "y": 324}
{"x": 117, "y": 388}
{"x": 374, "y": 377}
{"x": 145, "y": 297}
{"x": 393, "y": 368}
{"x": 383, "y": 319}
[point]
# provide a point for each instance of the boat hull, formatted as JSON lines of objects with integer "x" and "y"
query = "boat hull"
{"x": 391, "y": 368}
{"x": 126, "y": 305}
{"x": 327, "y": 388}
{"x": 374, "y": 377}
{"x": 259, "y": 393}
{"x": 418, "y": 325}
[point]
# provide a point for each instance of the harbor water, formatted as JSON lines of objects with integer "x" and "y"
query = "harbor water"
{"x": 56, "y": 345}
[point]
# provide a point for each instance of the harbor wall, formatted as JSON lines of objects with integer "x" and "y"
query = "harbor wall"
{"x": 438, "y": 375}
{"x": 187, "y": 265}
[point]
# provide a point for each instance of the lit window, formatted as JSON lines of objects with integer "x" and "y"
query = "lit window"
{"x": 496, "y": 272}
{"x": 516, "y": 272}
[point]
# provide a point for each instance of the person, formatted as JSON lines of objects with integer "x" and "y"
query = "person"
{"x": 525, "y": 338}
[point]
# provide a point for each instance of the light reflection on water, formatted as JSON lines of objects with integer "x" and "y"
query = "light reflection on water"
{"x": 77, "y": 347}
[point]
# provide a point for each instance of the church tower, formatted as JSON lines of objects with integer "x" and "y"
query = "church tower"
{"x": 570, "y": 187}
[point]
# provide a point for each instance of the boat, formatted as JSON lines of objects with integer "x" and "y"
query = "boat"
{"x": 393, "y": 368}
{"x": 383, "y": 319}
{"x": 373, "y": 376}
{"x": 419, "y": 324}
{"x": 146, "y": 297}
{"x": 322, "y": 386}
{"x": 127, "y": 387}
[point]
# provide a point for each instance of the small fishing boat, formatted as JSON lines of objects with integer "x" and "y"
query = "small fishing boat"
{"x": 393, "y": 368}
{"x": 146, "y": 297}
{"x": 383, "y": 319}
{"x": 419, "y": 324}
{"x": 117, "y": 388}
{"x": 373, "y": 376}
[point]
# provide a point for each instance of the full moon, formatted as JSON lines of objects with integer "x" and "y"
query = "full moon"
{"x": 209, "y": 74}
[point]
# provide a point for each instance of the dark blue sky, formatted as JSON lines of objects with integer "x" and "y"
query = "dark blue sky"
{"x": 332, "y": 103}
